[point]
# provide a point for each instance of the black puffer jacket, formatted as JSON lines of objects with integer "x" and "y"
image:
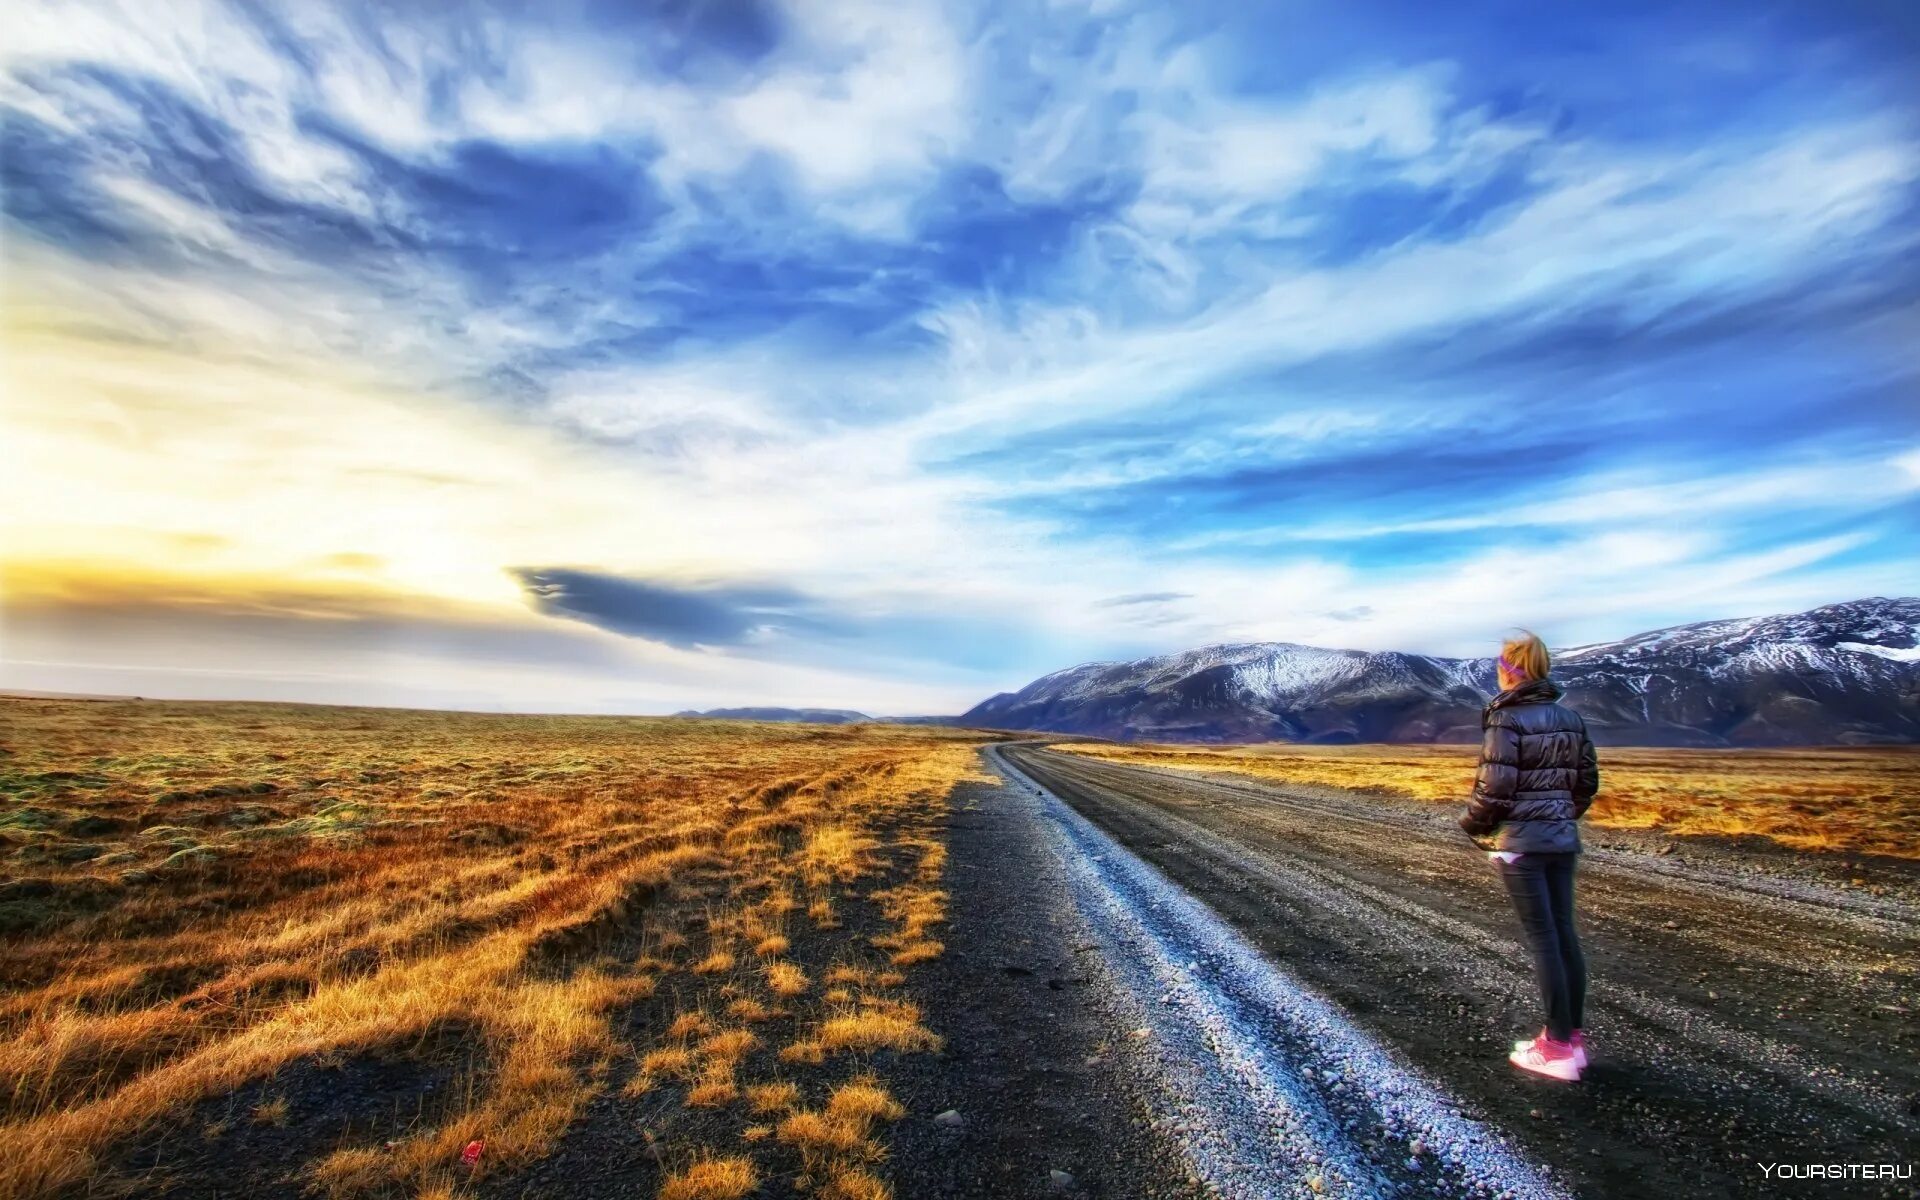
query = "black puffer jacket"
{"x": 1538, "y": 773}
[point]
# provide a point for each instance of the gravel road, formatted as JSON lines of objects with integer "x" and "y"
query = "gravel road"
{"x": 1744, "y": 1011}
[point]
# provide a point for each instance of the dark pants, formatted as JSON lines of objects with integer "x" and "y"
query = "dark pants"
{"x": 1542, "y": 889}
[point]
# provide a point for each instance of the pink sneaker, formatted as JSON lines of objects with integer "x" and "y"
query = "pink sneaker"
{"x": 1579, "y": 1046}
{"x": 1544, "y": 1056}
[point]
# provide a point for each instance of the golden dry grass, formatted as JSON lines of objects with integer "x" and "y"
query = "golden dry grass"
{"x": 714, "y": 1088}
{"x": 773, "y": 1097}
{"x": 203, "y": 894}
{"x": 852, "y": 1183}
{"x": 876, "y": 1023}
{"x": 1864, "y": 800}
{"x": 863, "y": 1099}
{"x": 834, "y": 1139}
{"x": 712, "y": 1179}
{"x": 672, "y": 1061}
{"x": 785, "y": 979}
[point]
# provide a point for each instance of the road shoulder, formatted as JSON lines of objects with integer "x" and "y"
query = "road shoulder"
{"x": 1038, "y": 1061}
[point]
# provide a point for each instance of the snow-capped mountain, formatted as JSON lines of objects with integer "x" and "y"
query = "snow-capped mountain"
{"x": 1846, "y": 673}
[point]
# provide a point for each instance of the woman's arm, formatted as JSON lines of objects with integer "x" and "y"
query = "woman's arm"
{"x": 1494, "y": 782}
{"x": 1588, "y": 784}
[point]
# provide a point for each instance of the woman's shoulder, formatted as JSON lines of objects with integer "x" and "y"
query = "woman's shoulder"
{"x": 1569, "y": 717}
{"x": 1549, "y": 717}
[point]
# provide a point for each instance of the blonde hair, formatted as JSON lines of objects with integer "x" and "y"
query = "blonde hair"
{"x": 1527, "y": 654}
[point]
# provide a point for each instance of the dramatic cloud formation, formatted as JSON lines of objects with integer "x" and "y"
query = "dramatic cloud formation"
{"x": 725, "y": 615}
{"x": 885, "y": 355}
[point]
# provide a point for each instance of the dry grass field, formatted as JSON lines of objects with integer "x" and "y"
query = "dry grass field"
{"x": 1849, "y": 800}
{"x": 200, "y": 896}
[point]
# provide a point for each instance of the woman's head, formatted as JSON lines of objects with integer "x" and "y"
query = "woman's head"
{"x": 1522, "y": 658}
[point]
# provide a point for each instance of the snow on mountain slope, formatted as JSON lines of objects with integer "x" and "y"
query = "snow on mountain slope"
{"x": 1843, "y": 673}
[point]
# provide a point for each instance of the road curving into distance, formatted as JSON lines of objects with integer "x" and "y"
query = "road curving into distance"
{"x": 1351, "y": 976}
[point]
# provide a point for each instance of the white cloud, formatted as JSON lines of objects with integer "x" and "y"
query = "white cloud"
{"x": 863, "y": 103}
{"x": 1655, "y": 233}
{"x": 210, "y": 53}
{"x": 873, "y": 92}
{"x": 1208, "y": 159}
{"x": 676, "y": 412}
{"x": 179, "y": 220}
{"x": 1624, "y": 498}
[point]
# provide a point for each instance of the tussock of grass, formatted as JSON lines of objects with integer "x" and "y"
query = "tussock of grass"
{"x": 864, "y": 1099}
{"x": 727, "y": 1046}
{"x": 786, "y": 979}
{"x": 830, "y": 1140}
{"x": 671, "y": 1061}
{"x": 853, "y": 1183}
{"x": 818, "y": 1134}
{"x": 1836, "y": 799}
{"x": 751, "y": 1011}
{"x": 773, "y": 1097}
{"x": 918, "y": 951}
{"x": 878, "y": 1024}
{"x": 712, "y": 1179}
{"x": 715, "y": 1086}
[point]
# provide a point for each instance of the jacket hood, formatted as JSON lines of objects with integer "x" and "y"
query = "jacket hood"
{"x": 1533, "y": 691}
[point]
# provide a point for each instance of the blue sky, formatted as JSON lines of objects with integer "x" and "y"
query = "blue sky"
{"x": 638, "y": 357}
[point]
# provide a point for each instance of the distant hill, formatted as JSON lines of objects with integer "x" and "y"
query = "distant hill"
{"x": 812, "y": 716}
{"x": 1843, "y": 674}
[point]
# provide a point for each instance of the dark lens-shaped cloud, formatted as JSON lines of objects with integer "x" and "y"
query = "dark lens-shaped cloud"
{"x": 682, "y": 615}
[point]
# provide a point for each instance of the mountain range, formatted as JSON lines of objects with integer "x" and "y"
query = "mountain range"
{"x": 1844, "y": 674}
{"x": 814, "y": 716}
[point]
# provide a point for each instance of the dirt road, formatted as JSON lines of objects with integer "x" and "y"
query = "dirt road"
{"x": 1741, "y": 1015}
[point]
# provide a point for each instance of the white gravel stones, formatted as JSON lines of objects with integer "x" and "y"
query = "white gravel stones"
{"x": 1272, "y": 1091}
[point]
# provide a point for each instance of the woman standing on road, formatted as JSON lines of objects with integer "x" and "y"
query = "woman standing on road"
{"x": 1538, "y": 773}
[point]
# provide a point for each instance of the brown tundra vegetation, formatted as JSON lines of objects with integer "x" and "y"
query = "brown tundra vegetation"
{"x": 199, "y": 896}
{"x": 1855, "y": 801}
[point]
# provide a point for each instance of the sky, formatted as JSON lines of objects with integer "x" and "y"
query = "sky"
{"x": 587, "y": 356}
